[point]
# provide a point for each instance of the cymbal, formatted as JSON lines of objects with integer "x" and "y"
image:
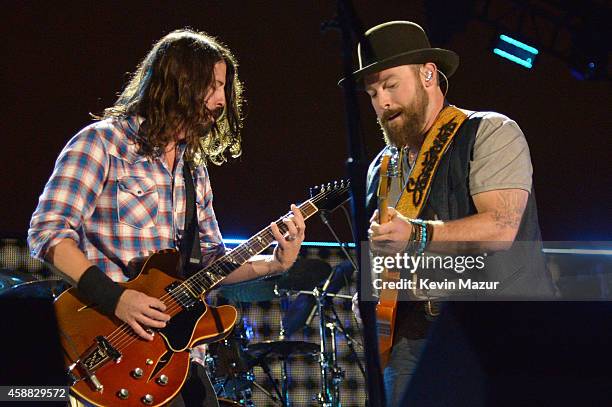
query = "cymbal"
{"x": 305, "y": 274}
{"x": 10, "y": 278}
{"x": 250, "y": 291}
{"x": 43, "y": 289}
{"x": 281, "y": 349}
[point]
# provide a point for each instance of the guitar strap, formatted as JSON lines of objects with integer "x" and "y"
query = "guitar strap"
{"x": 436, "y": 143}
{"x": 434, "y": 147}
{"x": 190, "y": 244}
{"x": 198, "y": 388}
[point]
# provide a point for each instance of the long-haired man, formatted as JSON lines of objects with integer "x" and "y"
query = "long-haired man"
{"x": 117, "y": 191}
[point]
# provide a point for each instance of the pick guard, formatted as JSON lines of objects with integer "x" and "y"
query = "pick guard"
{"x": 179, "y": 331}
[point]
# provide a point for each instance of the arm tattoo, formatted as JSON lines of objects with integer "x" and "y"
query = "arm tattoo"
{"x": 509, "y": 210}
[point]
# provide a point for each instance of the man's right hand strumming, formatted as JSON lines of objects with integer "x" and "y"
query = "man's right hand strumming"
{"x": 141, "y": 312}
{"x": 136, "y": 309}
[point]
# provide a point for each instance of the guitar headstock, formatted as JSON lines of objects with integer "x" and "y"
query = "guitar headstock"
{"x": 392, "y": 168}
{"x": 331, "y": 195}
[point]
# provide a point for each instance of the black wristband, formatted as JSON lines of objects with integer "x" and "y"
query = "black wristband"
{"x": 97, "y": 287}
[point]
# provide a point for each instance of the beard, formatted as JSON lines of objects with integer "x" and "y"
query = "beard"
{"x": 409, "y": 132}
{"x": 200, "y": 128}
{"x": 212, "y": 121}
{"x": 217, "y": 113}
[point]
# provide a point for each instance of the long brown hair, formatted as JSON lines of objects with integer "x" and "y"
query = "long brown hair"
{"x": 168, "y": 91}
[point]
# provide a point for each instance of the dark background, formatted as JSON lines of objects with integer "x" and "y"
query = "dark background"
{"x": 61, "y": 62}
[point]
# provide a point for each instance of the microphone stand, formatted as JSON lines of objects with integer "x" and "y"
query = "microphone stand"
{"x": 350, "y": 27}
{"x": 323, "y": 216}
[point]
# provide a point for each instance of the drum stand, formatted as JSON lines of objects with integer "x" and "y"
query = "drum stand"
{"x": 281, "y": 397}
{"x": 332, "y": 374}
{"x": 284, "y": 370}
{"x": 350, "y": 342}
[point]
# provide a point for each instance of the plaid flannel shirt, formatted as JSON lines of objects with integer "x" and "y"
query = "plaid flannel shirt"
{"x": 117, "y": 204}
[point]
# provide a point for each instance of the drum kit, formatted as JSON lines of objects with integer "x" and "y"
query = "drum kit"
{"x": 231, "y": 362}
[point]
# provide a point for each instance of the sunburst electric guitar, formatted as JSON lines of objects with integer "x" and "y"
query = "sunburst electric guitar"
{"x": 109, "y": 365}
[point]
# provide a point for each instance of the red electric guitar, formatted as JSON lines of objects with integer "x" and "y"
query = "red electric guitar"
{"x": 110, "y": 365}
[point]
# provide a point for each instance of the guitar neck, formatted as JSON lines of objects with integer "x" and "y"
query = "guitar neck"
{"x": 383, "y": 211}
{"x": 210, "y": 276}
{"x": 384, "y": 186}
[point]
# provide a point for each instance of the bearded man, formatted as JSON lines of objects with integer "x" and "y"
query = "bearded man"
{"x": 464, "y": 178}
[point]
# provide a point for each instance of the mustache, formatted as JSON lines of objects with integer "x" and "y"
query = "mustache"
{"x": 217, "y": 113}
{"x": 389, "y": 113}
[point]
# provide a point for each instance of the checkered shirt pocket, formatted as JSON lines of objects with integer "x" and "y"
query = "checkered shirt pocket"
{"x": 137, "y": 202}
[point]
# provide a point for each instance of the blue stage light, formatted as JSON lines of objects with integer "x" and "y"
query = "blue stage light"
{"x": 583, "y": 251}
{"x": 237, "y": 241}
{"x": 516, "y": 51}
{"x": 519, "y": 44}
{"x": 233, "y": 241}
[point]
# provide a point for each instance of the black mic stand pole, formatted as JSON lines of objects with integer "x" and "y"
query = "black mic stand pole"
{"x": 343, "y": 246}
{"x": 350, "y": 28}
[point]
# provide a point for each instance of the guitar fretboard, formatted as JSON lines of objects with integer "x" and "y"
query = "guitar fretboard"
{"x": 210, "y": 276}
{"x": 190, "y": 290}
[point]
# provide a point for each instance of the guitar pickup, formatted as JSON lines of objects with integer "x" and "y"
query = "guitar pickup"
{"x": 384, "y": 328}
{"x": 182, "y": 296}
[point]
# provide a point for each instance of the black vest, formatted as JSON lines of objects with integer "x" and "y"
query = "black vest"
{"x": 521, "y": 270}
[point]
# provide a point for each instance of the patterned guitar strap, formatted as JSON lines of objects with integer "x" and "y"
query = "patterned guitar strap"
{"x": 436, "y": 143}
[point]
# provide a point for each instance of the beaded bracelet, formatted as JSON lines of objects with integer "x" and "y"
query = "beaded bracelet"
{"x": 421, "y": 235}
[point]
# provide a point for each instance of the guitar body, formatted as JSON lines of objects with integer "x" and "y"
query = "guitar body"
{"x": 167, "y": 355}
{"x": 386, "y": 311}
{"x": 110, "y": 365}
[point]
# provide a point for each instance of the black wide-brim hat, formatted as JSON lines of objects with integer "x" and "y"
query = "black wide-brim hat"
{"x": 398, "y": 43}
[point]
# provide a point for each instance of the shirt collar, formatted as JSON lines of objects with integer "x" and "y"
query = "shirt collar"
{"x": 127, "y": 148}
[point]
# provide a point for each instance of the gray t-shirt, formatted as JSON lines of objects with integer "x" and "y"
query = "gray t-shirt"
{"x": 501, "y": 158}
{"x": 501, "y": 155}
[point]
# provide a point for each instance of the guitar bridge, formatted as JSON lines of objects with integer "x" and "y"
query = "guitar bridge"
{"x": 92, "y": 359}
